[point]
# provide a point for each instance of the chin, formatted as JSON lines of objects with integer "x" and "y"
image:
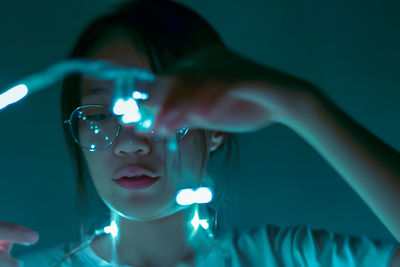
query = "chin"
{"x": 146, "y": 214}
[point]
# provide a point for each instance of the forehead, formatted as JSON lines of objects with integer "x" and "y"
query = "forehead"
{"x": 119, "y": 50}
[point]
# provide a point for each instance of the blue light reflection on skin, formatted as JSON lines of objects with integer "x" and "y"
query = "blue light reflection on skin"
{"x": 196, "y": 222}
{"x": 184, "y": 197}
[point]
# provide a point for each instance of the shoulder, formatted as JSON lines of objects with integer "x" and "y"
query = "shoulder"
{"x": 284, "y": 246}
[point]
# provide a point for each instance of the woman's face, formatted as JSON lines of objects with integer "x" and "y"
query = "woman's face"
{"x": 130, "y": 149}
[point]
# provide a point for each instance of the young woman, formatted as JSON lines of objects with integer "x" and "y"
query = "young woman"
{"x": 215, "y": 92}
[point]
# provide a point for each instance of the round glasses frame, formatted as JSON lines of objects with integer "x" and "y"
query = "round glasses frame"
{"x": 180, "y": 132}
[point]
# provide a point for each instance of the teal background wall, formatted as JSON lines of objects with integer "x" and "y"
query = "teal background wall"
{"x": 349, "y": 49}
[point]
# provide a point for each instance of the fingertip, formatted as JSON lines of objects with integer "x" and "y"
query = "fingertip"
{"x": 32, "y": 237}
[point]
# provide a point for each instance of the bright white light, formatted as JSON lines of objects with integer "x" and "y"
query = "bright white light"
{"x": 13, "y": 95}
{"x": 122, "y": 107}
{"x": 146, "y": 124}
{"x": 196, "y": 221}
{"x": 139, "y": 95}
{"x": 185, "y": 197}
{"x": 203, "y": 195}
{"x": 131, "y": 118}
{"x": 189, "y": 196}
{"x": 112, "y": 229}
{"x": 129, "y": 109}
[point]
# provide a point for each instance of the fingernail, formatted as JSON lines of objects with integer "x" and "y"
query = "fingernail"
{"x": 32, "y": 236}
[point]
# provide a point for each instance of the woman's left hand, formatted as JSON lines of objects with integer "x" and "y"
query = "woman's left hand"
{"x": 220, "y": 90}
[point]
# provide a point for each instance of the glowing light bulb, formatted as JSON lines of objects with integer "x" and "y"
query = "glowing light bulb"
{"x": 129, "y": 110}
{"x": 131, "y": 118}
{"x": 13, "y": 95}
{"x": 111, "y": 229}
{"x": 147, "y": 124}
{"x": 139, "y": 95}
{"x": 185, "y": 197}
{"x": 196, "y": 222}
{"x": 119, "y": 107}
{"x": 188, "y": 196}
{"x": 203, "y": 195}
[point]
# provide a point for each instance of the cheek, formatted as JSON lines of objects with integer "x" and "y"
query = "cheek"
{"x": 97, "y": 164}
{"x": 192, "y": 156}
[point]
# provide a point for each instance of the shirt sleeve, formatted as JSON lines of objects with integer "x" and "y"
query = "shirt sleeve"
{"x": 301, "y": 246}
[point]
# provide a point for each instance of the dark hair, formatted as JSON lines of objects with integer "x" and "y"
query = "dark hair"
{"x": 164, "y": 31}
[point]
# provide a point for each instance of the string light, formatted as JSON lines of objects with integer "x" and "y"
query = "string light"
{"x": 189, "y": 196}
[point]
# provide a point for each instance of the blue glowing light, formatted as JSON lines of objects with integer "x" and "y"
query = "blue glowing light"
{"x": 189, "y": 196}
{"x": 147, "y": 124}
{"x": 129, "y": 110}
{"x": 13, "y": 95}
{"x": 196, "y": 221}
{"x": 111, "y": 229}
{"x": 139, "y": 95}
{"x": 172, "y": 144}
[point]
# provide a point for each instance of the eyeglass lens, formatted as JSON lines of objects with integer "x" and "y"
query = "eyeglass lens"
{"x": 95, "y": 127}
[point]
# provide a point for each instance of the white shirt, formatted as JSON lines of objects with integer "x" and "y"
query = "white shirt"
{"x": 268, "y": 245}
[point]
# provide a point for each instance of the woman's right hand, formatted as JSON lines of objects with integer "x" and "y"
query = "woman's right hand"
{"x": 13, "y": 233}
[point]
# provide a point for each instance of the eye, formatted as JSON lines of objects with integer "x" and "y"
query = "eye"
{"x": 98, "y": 117}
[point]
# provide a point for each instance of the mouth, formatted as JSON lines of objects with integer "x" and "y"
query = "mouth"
{"x": 136, "y": 182}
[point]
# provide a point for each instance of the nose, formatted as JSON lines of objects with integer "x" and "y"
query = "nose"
{"x": 128, "y": 142}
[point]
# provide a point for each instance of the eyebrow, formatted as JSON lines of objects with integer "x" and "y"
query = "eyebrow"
{"x": 96, "y": 91}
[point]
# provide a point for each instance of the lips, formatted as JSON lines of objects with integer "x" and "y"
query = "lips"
{"x": 133, "y": 170}
{"x": 136, "y": 183}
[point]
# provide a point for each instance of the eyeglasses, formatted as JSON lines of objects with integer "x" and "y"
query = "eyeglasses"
{"x": 95, "y": 127}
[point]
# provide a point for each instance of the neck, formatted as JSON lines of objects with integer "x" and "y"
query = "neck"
{"x": 162, "y": 242}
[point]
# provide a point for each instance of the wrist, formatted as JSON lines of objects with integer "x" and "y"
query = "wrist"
{"x": 302, "y": 105}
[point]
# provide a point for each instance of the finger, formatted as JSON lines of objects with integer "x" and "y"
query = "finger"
{"x": 167, "y": 118}
{"x": 166, "y": 127}
{"x": 156, "y": 91}
{"x": 177, "y": 106}
{"x": 6, "y": 246}
{"x": 17, "y": 233}
{"x": 177, "y": 122}
{"x": 7, "y": 261}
